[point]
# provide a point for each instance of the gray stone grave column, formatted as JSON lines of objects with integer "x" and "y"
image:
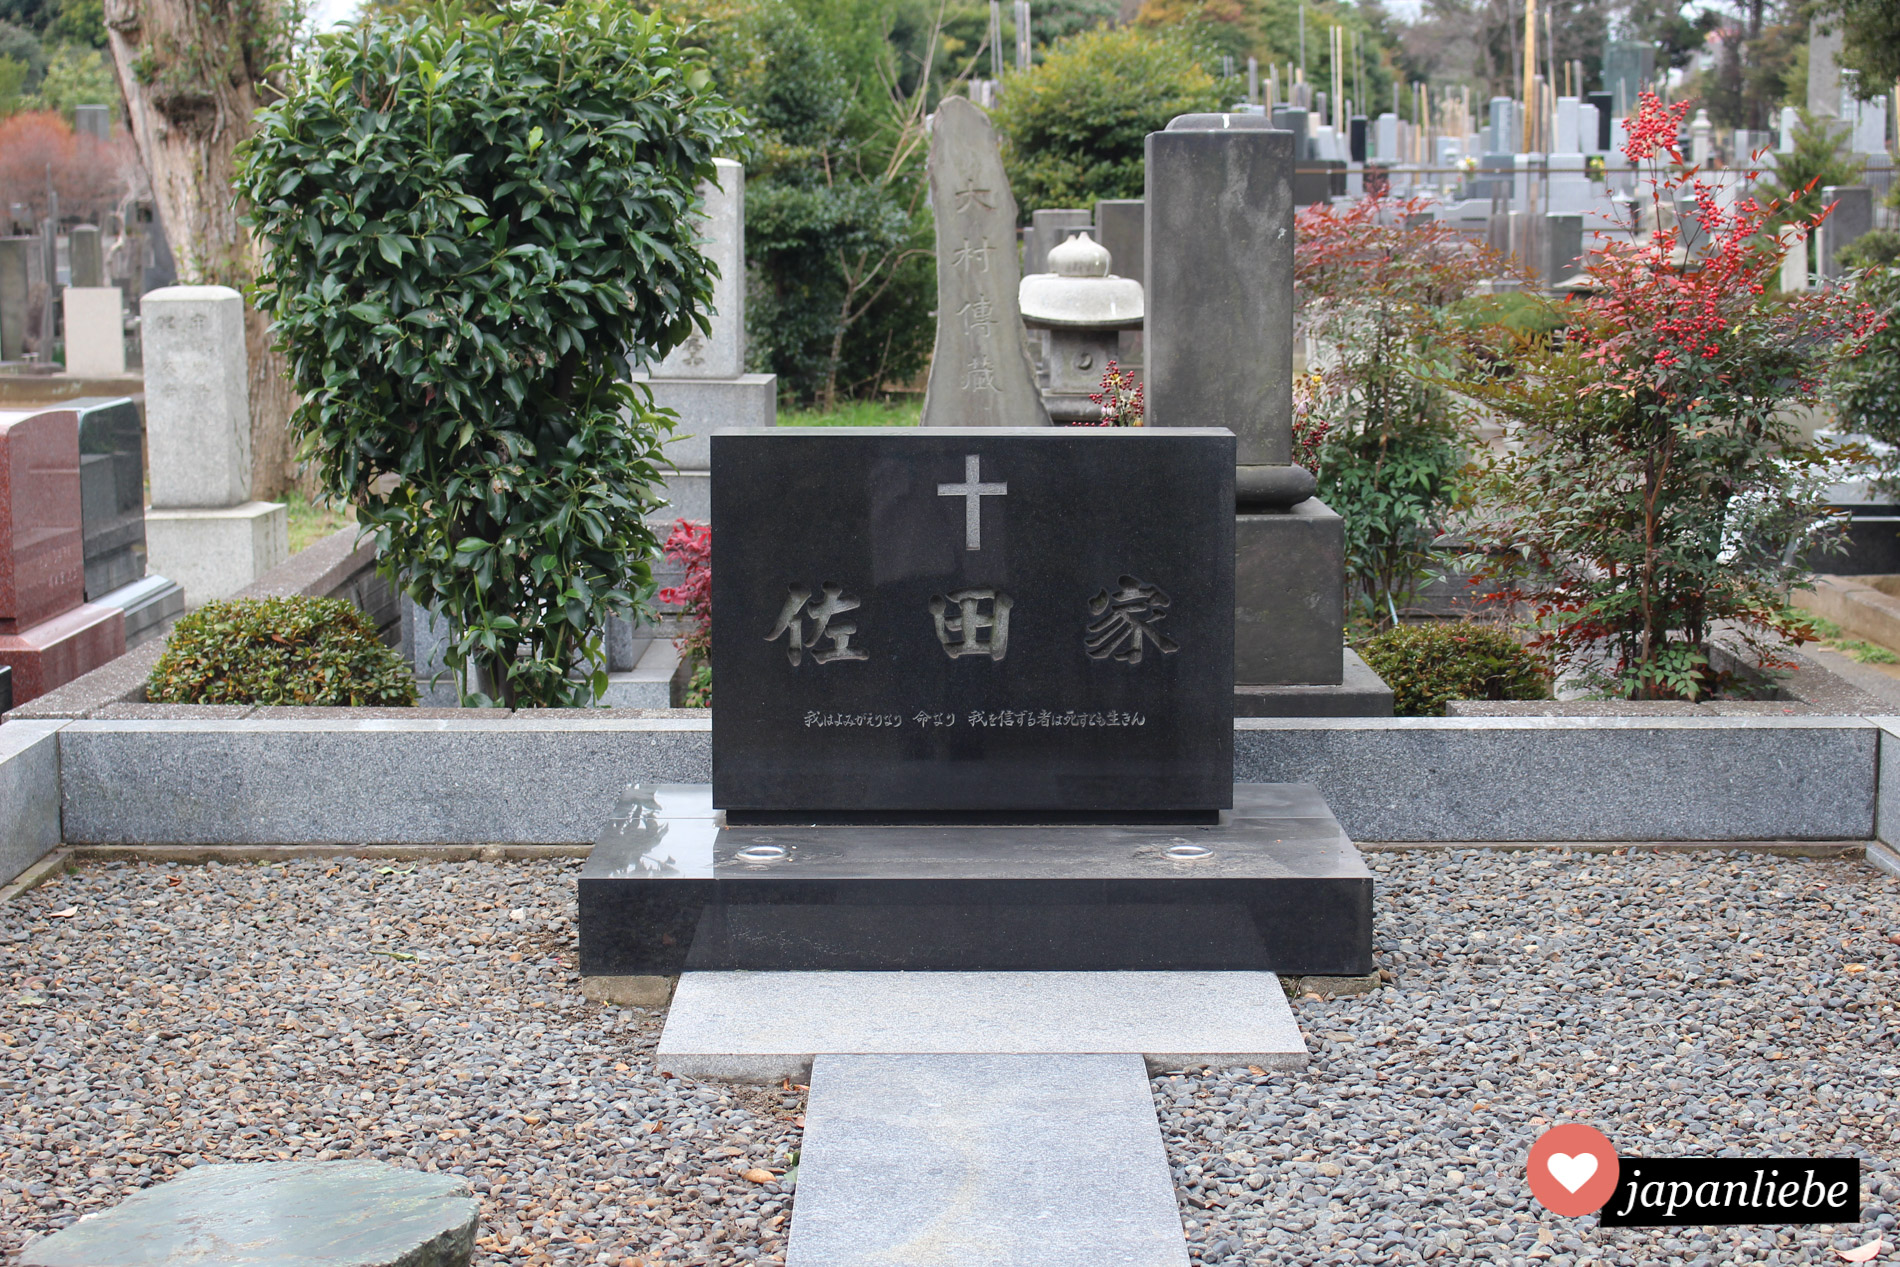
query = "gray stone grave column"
{"x": 203, "y": 530}
{"x": 86, "y": 254}
{"x": 980, "y": 373}
{"x": 16, "y": 255}
{"x": 1563, "y": 244}
{"x": 1122, "y": 225}
{"x": 1219, "y": 350}
{"x": 1851, "y": 220}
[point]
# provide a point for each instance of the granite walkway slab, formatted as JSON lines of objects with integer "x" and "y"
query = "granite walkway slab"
{"x": 983, "y": 1161}
{"x": 765, "y": 1026}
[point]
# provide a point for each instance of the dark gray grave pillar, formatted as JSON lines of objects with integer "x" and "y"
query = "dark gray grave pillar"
{"x": 1851, "y": 220}
{"x": 1121, "y": 228}
{"x": 1563, "y": 245}
{"x": 16, "y": 261}
{"x": 86, "y": 253}
{"x": 1220, "y": 283}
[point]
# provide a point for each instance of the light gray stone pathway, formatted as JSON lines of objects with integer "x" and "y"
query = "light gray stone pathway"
{"x": 984, "y": 1161}
{"x": 977, "y": 1118}
{"x": 766, "y": 1026}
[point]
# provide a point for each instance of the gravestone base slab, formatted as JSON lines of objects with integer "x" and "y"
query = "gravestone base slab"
{"x": 1362, "y": 693}
{"x": 1274, "y": 885}
{"x": 215, "y": 553}
{"x": 149, "y": 604}
{"x": 54, "y": 652}
{"x": 763, "y": 1027}
{"x": 1289, "y": 596}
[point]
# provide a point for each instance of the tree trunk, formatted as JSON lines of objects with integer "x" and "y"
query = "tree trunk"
{"x": 191, "y": 71}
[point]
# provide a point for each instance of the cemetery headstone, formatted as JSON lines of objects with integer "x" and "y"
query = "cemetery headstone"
{"x": 93, "y": 121}
{"x": 42, "y": 568}
{"x": 972, "y": 624}
{"x": 16, "y": 262}
{"x": 112, "y": 501}
{"x": 980, "y": 373}
{"x": 1219, "y": 344}
{"x": 973, "y": 714}
{"x": 1851, "y": 220}
{"x": 204, "y": 531}
{"x": 49, "y": 634}
{"x": 1122, "y": 232}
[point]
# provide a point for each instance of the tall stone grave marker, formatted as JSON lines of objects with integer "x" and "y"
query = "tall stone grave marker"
{"x": 980, "y": 374}
{"x": 112, "y": 502}
{"x": 1219, "y": 345}
{"x": 1851, "y": 220}
{"x": 203, "y": 530}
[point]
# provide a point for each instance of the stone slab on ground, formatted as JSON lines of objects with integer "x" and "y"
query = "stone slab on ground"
{"x": 765, "y": 1026}
{"x": 278, "y": 1214}
{"x": 1360, "y": 693}
{"x": 983, "y": 1161}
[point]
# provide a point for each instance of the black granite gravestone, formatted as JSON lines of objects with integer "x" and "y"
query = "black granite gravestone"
{"x": 111, "y": 494}
{"x": 973, "y": 712}
{"x": 1029, "y": 622}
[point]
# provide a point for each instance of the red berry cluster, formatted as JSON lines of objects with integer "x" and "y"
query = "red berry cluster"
{"x": 1120, "y": 398}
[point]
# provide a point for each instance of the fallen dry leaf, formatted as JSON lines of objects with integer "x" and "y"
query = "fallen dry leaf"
{"x": 1863, "y": 1253}
{"x": 68, "y": 913}
{"x": 757, "y": 1175}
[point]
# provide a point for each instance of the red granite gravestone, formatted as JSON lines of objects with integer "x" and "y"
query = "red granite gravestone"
{"x": 42, "y": 551}
{"x": 49, "y": 634}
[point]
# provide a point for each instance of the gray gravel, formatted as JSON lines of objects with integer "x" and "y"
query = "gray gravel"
{"x": 1685, "y": 1005}
{"x": 429, "y": 1015}
{"x": 154, "y": 1017}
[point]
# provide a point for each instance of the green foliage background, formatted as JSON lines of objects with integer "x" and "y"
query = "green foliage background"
{"x": 469, "y": 223}
{"x": 1073, "y": 129}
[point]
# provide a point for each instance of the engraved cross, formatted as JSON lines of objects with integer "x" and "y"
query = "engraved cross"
{"x": 972, "y": 491}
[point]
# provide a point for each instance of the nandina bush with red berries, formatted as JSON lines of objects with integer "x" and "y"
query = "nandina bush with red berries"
{"x": 1658, "y": 489}
{"x": 690, "y": 545}
{"x": 1378, "y": 416}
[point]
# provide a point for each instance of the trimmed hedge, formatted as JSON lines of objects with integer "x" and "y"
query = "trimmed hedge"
{"x": 310, "y": 651}
{"x": 1428, "y": 665}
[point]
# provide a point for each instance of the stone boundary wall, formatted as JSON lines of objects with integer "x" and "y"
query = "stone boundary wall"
{"x": 146, "y": 776}
{"x": 551, "y": 778}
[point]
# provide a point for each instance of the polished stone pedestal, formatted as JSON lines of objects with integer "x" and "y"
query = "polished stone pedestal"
{"x": 1274, "y": 886}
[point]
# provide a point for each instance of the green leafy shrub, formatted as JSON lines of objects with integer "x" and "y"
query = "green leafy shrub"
{"x": 279, "y": 651}
{"x": 1428, "y": 665}
{"x": 1074, "y": 128}
{"x": 469, "y": 222}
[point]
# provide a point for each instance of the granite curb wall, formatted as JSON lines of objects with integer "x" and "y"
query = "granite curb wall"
{"x": 551, "y": 779}
{"x": 29, "y": 794}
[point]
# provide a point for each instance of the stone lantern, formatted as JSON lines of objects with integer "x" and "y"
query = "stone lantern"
{"x": 1083, "y": 308}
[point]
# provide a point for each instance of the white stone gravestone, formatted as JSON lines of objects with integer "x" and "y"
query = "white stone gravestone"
{"x": 203, "y": 531}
